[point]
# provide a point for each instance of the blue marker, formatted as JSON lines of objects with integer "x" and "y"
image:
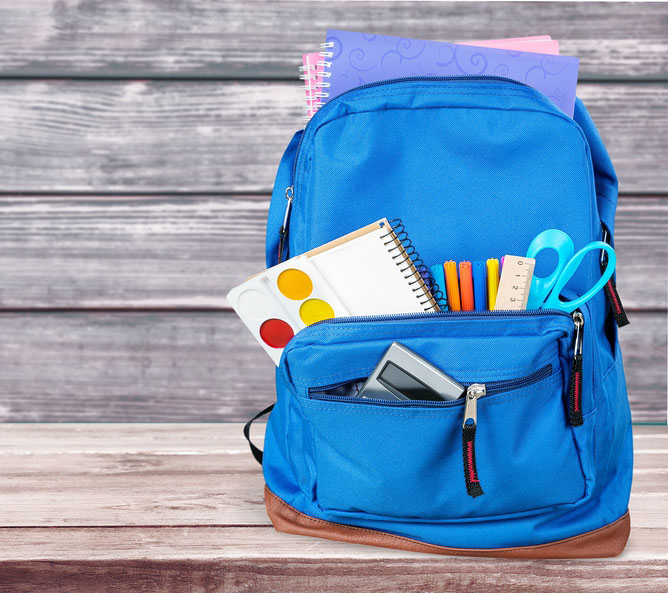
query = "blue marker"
{"x": 480, "y": 285}
{"x": 438, "y": 274}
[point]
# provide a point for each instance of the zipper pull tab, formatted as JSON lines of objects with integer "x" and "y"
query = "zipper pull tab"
{"x": 283, "y": 231}
{"x": 575, "y": 389}
{"x": 610, "y": 288}
{"x": 473, "y": 392}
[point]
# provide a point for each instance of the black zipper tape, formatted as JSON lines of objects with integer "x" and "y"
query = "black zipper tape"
{"x": 614, "y": 300}
{"x": 473, "y": 487}
{"x": 575, "y": 392}
{"x": 610, "y": 288}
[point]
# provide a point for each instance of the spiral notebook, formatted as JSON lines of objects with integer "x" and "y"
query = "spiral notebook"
{"x": 372, "y": 273}
{"x": 350, "y": 59}
{"x": 312, "y": 72}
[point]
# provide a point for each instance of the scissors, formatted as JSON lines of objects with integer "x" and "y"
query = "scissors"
{"x": 545, "y": 291}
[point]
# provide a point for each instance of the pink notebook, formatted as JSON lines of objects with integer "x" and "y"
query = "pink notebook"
{"x": 314, "y": 65}
{"x": 541, "y": 44}
{"x": 313, "y": 74}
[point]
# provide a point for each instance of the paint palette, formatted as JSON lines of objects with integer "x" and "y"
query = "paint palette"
{"x": 280, "y": 301}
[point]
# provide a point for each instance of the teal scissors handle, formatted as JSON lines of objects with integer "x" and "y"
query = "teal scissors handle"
{"x": 545, "y": 291}
{"x": 554, "y": 302}
{"x": 563, "y": 245}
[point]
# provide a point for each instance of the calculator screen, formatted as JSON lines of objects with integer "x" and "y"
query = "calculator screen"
{"x": 398, "y": 380}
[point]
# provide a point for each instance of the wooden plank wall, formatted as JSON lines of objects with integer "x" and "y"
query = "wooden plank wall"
{"x": 138, "y": 144}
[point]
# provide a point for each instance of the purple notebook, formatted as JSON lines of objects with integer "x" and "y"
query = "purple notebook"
{"x": 359, "y": 58}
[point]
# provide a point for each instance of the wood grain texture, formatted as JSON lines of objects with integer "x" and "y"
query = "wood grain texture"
{"x": 177, "y": 252}
{"x": 145, "y": 39}
{"x": 65, "y": 476}
{"x": 333, "y": 573}
{"x": 226, "y": 137}
{"x": 151, "y": 252}
{"x": 197, "y": 367}
{"x": 162, "y": 539}
{"x": 642, "y": 257}
{"x": 153, "y": 367}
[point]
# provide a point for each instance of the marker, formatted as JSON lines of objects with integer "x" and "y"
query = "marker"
{"x": 466, "y": 286}
{"x": 452, "y": 286}
{"x": 480, "y": 285}
{"x": 492, "y": 282}
{"x": 438, "y": 274}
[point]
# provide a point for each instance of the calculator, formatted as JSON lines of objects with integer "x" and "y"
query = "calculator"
{"x": 402, "y": 374}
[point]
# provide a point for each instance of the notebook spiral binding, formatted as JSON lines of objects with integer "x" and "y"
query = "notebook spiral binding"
{"x": 424, "y": 286}
{"x": 313, "y": 75}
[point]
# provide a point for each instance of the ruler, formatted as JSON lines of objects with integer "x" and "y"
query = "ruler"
{"x": 515, "y": 283}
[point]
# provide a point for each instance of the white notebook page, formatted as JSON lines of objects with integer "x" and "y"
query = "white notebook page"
{"x": 366, "y": 279}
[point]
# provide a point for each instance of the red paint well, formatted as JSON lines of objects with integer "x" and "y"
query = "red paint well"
{"x": 276, "y": 333}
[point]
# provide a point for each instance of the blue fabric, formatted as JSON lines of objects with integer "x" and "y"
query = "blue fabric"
{"x": 475, "y": 169}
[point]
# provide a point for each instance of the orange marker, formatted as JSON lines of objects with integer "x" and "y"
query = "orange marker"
{"x": 466, "y": 285}
{"x": 452, "y": 285}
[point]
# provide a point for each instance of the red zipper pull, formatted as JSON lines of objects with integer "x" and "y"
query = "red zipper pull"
{"x": 473, "y": 392}
{"x": 575, "y": 390}
{"x": 610, "y": 288}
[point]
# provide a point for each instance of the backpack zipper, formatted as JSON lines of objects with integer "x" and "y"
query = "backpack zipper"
{"x": 469, "y": 425}
{"x": 283, "y": 231}
{"x": 492, "y": 388}
{"x": 575, "y": 387}
{"x": 464, "y": 77}
{"x": 290, "y": 188}
{"x": 398, "y": 317}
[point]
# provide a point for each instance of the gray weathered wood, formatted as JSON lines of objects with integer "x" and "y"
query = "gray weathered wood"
{"x": 170, "y": 252}
{"x": 158, "y": 508}
{"x": 642, "y": 254}
{"x": 189, "y": 367}
{"x": 196, "y": 367}
{"x": 101, "y": 136}
{"x": 162, "y": 252}
{"x": 142, "y": 38}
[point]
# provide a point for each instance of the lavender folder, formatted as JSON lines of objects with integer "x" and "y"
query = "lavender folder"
{"x": 359, "y": 58}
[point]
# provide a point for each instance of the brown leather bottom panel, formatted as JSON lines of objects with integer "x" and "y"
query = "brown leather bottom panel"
{"x": 604, "y": 542}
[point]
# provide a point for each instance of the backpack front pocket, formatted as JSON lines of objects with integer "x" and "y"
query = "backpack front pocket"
{"x": 410, "y": 459}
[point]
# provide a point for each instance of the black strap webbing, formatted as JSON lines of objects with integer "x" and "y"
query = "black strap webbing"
{"x": 257, "y": 453}
{"x": 575, "y": 392}
{"x": 473, "y": 487}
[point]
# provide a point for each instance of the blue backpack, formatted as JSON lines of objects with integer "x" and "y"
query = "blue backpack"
{"x": 475, "y": 167}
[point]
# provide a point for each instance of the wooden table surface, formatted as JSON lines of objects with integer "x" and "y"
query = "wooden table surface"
{"x": 179, "y": 507}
